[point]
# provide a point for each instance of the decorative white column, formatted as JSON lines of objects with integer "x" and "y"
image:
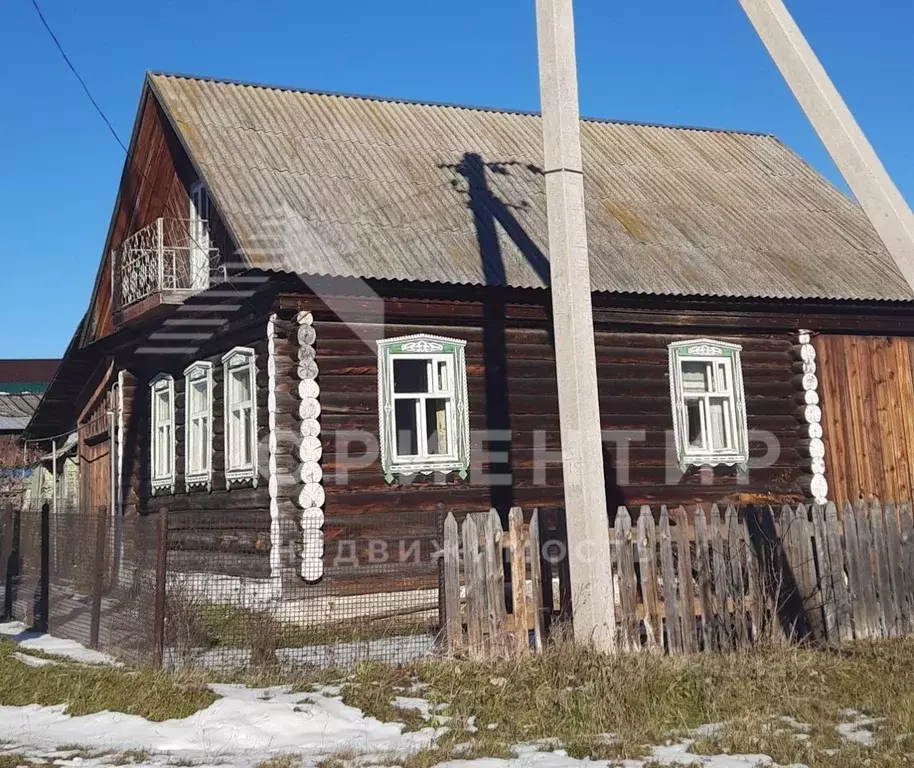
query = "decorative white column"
{"x": 811, "y": 415}
{"x": 273, "y": 480}
{"x": 311, "y": 496}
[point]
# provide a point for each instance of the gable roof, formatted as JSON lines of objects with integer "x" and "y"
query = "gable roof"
{"x": 353, "y": 186}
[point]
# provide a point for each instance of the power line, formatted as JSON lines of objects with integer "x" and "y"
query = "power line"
{"x": 82, "y": 82}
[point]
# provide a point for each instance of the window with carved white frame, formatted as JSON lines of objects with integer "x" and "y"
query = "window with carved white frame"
{"x": 422, "y": 406}
{"x": 240, "y": 398}
{"x": 162, "y": 434}
{"x": 198, "y": 424}
{"x": 709, "y": 405}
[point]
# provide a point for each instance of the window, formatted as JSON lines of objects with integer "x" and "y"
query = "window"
{"x": 198, "y": 420}
{"x": 709, "y": 411}
{"x": 162, "y": 448}
{"x": 240, "y": 416}
{"x": 199, "y": 252}
{"x": 424, "y": 421}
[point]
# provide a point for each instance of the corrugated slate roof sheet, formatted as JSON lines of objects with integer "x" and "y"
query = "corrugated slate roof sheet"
{"x": 352, "y": 186}
{"x": 16, "y": 410}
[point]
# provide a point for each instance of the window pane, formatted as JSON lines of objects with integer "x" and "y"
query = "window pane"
{"x": 443, "y": 379}
{"x": 247, "y": 438}
{"x": 436, "y": 425}
{"x": 240, "y": 385}
{"x": 695, "y": 376}
{"x": 162, "y": 409}
{"x": 719, "y": 430}
{"x": 197, "y": 397}
{"x": 411, "y": 376}
{"x": 407, "y": 429}
{"x": 695, "y": 432}
{"x": 723, "y": 380}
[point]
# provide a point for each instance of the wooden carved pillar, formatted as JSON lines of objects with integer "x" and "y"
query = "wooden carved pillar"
{"x": 810, "y": 415}
{"x": 311, "y": 495}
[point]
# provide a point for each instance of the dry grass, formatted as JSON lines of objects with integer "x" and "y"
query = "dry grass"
{"x": 149, "y": 693}
{"x": 15, "y": 760}
{"x": 580, "y": 698}
{"x": 281, "y": 761}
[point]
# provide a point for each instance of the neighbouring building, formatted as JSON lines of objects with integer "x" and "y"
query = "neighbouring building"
{"x": 22, "y": 383}
{"x": 325, "y": 309}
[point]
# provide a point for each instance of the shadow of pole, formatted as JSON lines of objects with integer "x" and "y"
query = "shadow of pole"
{"x": 780, "y": 584}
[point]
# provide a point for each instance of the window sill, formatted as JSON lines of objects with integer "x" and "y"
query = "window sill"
{"x": 691, "y": 464}
{"x": 163, "y": 488}
{"x": 399, "y": 472}
{"x": 240, "y": 481}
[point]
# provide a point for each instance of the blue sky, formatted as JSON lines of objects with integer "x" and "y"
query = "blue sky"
{"x": 694, "y": 62}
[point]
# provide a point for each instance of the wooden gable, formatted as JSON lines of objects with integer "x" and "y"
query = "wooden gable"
{"x": 154, "y": 183}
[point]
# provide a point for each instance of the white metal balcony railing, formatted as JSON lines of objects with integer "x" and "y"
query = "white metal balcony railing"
{"x": 174, "y": 255}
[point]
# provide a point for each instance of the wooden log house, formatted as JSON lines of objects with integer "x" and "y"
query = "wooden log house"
{"x": 328, "y": 309}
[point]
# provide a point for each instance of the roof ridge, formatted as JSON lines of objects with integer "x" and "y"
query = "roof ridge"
{"x": 449, "y": 105}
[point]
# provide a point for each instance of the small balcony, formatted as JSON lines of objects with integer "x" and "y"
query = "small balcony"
{"x": 164, "y": 263}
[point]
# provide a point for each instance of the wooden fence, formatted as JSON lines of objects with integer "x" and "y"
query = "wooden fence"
{"x": 498, "y": 622}
{"x": 704, "y": 580}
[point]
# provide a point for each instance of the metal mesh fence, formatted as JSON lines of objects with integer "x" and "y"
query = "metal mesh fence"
{"x": 88, "y": 577}
{"x": 234, "y": 600}
{"x": 212, "y": 590}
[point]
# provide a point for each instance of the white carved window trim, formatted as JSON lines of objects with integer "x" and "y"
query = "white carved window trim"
{"x": 437, "y": 350}
{"x": 162, "y": 434}
{"x": 237, "y": 470}
{"x": 198, "y": 426}
{"x": 721, "y": 356}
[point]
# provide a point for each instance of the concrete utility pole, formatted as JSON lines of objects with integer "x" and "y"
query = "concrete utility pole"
{"x": 575, "y": 358}
{"x": 839, "y": 132}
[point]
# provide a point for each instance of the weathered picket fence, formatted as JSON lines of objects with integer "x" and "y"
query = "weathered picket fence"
{"x": 497, "y": 623}
{"x": 690, "y": 582}
{"x": 700, "y": 580}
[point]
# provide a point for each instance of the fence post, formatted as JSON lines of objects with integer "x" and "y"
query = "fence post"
{"x": 42, "y": 609}
{"x": 442, "y": 585}
{"x": 451, "y": 570}
{"x": 9, "y": 552}
{"x": 98, "y": 576}
{"x": 158, "y": 638}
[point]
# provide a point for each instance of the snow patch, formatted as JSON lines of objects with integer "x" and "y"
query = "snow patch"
{"x": 242, "y": 723}
{"x": 36, "y": 641}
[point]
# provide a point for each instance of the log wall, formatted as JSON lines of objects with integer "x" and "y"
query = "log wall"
{"x": 512, "y": 385}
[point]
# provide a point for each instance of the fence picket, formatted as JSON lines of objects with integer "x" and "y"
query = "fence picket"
{"x": 865, "y": 542}
{"x": 673, "y": 628}
{"x": 735, "y": 577}
{"x": 886, "y": 608}
{"x": 686, "y": 586}
{"x": 896, "y": 570}
{"x": 812, "y": 594}
{"x": 476, "y": 609}
{"x": 753, "y": 582}
{"x": 721, "y": 578}
{"x": 843, "y": 617}
{"x": 536, "y": 576}
{"x": 907, "y": 556}
{"x": 703, "y": 570}
{"x": 854, "y": 577}
{"x": 518, "y": 580}
{"x": 628, "y": 587}
{"x": 790, "y": 591}
{"x": 453, "y": 624}
{"x": 825, "y": 574}
{"x": 647, "y": 559}
{"x": 495, "y": 581}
